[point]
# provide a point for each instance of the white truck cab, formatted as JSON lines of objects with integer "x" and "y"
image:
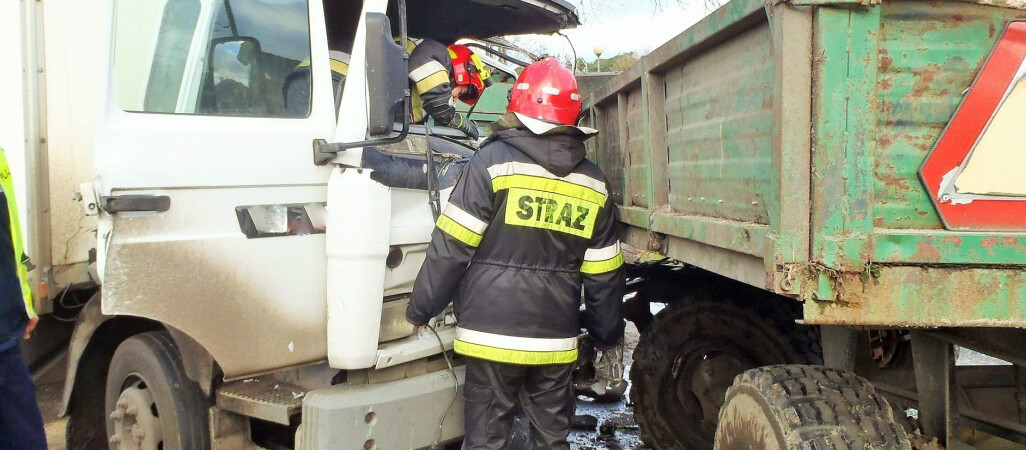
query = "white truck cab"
{"x": 245, "y": 232}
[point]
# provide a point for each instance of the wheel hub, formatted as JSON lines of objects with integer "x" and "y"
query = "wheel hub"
{"x": 711, "y": 379}
{"x": 887, "y": 346}
{"x": 705, "y": 379}
{"x": 136, "y": 420}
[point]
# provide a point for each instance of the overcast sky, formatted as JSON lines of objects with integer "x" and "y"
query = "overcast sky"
{"x": 622, "y": 26}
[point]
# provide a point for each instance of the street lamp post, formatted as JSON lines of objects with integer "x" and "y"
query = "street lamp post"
{"x": 598, "y": 57}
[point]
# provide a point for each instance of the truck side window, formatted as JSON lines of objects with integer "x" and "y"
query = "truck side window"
{"x": 231, "y": 59}
{"x": 150, "y": 52}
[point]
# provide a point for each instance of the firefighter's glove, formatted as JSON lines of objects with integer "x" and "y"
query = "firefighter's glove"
{"x": 465, "y": 125}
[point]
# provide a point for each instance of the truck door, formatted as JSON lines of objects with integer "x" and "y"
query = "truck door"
{"x": 391, "y": 215}
{"x": 212, "y": 213}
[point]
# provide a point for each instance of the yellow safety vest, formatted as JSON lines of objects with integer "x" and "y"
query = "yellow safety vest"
{"x": 416, "y": 104}
{"x": 7, "y": 182}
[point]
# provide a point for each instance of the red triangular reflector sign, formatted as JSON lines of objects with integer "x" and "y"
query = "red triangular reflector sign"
{"x": 973, "y": 175}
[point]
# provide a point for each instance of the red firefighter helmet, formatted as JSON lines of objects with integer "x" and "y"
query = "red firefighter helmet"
{"x": 545, "y": 97}
{"x": 467, "y": 69}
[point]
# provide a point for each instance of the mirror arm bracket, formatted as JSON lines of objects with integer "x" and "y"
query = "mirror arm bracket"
{"x": 324, "y": 151}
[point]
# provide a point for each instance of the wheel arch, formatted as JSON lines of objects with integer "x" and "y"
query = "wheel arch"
{"x": 669, "y": 284}
{"x": 97, "y": 336}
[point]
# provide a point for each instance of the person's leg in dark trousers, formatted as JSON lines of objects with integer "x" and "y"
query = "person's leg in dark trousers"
{"x": 21, "y": 424}
{"x": 547, "y": 398}
{"x": 490, "y": 403}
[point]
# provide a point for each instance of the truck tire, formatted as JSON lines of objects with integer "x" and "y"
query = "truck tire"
{"x": 685, "y": 362}
{"x": 151, "y": 401}
{"x": 805, "y": 407}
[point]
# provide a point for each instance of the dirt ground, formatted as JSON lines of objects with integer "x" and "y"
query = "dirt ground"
{"x": 621, "y": 414}
{"x": 49, "y": 397}
{"x": 625, "y": 433}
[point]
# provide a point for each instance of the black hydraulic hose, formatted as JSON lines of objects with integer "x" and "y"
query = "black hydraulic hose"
{"x": 572, "y": 48}
{"x": 456, "y": 382}
{"x": 434, "y": 198}
{"x": 504, "y": 56}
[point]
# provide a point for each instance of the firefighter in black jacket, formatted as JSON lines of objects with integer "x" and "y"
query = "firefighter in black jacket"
{"x": 530, "y": 223}
{"x": 439, "y": 76}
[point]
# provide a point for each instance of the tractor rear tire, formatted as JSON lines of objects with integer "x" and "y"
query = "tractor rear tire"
{"x": 793, "y": 407}
{"x": 685, "y": 362}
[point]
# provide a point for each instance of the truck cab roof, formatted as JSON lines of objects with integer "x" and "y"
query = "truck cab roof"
{"x": 449, "y": 20}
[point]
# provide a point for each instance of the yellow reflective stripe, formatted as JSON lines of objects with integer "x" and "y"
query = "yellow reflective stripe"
{"x": 468, "y": 220}
{"x": 482, "y": 70}
{"x": 340, "y": 67}
{"x": 417, "y": 105}
{"x": 522, "y": 357}
{"x": 597, "y": 267}
{"x": 528, "y": 344}
{"x": 432, "y": 81}
{"x": 604, "y": 253}
{"x": 549, "y": 185}
{"x": 426, "y": 69}
{"x": 7, "y": 183}
{"x": 336, "y": 66}
{"x": 461, "y": 233}
{"x": 522, "y": 168}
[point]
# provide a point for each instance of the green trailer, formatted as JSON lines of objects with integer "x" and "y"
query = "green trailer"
{"x": 796, "y": 177}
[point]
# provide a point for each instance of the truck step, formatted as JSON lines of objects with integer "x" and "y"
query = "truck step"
{"x": 263, "y": 398}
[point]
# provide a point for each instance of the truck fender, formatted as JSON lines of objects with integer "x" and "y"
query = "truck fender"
{"x": 88, "y": 321}
{"x": 198, "y": 362}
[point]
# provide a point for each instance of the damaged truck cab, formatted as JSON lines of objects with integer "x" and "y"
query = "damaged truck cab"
{"x": 259, "y": 221}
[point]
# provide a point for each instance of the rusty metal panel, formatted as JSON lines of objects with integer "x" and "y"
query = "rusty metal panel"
{"x": 638, "y": 168}
{"x": 719, "y": 119}
{"x": 845, "y": 44}
{"x": 610, "y": 154}
{"x": 911, "y": 296}
{"x": 929, "y": 55}
{"x": 792, "y": 146}
{"x": 653, "y": 89}
{"x": 914, "y": 63}
{"x": 591, "y": 146}
{"x": 945, "y": 247}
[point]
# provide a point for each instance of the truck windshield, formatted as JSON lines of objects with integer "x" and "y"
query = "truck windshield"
{"x": 232, "y": 62}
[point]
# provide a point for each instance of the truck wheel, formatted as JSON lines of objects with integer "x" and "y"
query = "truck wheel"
{"x": 150, "y": 403}
{"x": 794, "y": 406}
{"x": 684, "y": 364}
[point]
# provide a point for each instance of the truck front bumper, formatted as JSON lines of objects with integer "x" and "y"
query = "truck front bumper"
{"x": 402, "y": 414}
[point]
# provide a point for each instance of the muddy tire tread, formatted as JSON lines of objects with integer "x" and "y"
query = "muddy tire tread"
{"x": 825, "y": 409}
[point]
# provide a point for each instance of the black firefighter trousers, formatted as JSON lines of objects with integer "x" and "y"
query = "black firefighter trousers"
{"x": 494, "y": 391}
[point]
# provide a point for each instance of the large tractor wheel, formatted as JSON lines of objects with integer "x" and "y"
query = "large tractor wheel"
{"x": 805, "y": 407}
{"x": 684, "y": 364}
{"x": 150, "y": 403}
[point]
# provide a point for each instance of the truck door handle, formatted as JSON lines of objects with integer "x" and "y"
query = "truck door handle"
{"x": 135, "y": 203}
